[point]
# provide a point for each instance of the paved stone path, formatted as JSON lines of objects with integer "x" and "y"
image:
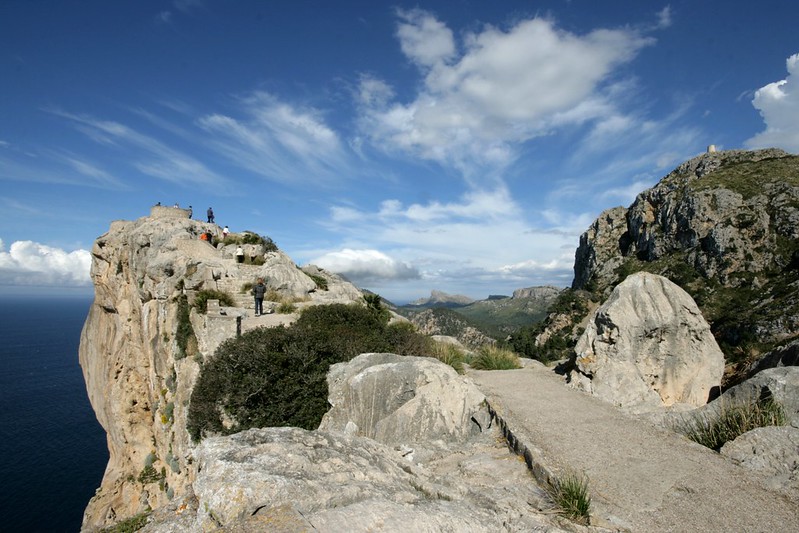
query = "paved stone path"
{"x": 641, "y": 478}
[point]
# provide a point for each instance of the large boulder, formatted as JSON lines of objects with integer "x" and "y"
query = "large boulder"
{"x": 648, "y": 346}
{"x": 403, "y": 401}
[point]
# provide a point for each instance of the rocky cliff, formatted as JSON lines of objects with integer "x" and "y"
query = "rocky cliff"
{"x": 725, "y": 227}
{"x": 143, "y": 343}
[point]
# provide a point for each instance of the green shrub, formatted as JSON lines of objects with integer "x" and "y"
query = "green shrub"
{"x": 493, "y": 358}
{"x": 732, "y": 421}
{"x": 286, "y": 308}
{"x": 269, "y": 245}
{"x": 571, "y": 496}
{"x": 246, "y": 287}
{"x": 271, "y": 377}
{"x": 375, "y": 304}
{"x": 321, "y": 283}
{"x": 134, "y": 523}
{"x": 148, "y": 475}
{"x": 184, "y": 336}
{"x": 201, "y": 300}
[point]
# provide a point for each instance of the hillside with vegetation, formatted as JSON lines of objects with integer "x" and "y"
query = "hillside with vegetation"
{"x": 725, "y": 227}
{"x": 496, "y": 317}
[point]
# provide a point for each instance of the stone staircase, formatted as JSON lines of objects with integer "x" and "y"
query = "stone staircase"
{"x": 233, "y": 287}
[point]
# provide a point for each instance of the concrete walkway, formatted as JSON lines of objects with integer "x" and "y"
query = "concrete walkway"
{"x": 641, "y": 478}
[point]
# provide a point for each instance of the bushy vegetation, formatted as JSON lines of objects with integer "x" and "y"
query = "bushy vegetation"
{"x": 570, "y": 494}
{"x": 559, "y": 344}
{"x": 748, "y": 177}
{"x": 184, "y": 336}
{"x": 277, "y": 376}
{"x": 732, "y": 421}
{"x": 202, "y": 297}
{"x": 491, "y": 357}
{"x": 286, "y": 308}
{"x": 321, "y": 283}
{"x": 134, "y": 523}
{"x": 375, "y": 303}
{"x": 449, "y": 354}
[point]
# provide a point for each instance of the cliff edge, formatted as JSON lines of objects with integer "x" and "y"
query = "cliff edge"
{"x": 143, "y": 343}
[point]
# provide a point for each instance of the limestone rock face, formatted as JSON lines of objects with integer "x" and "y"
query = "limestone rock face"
{"x": 289, "y": 479}
{"x": 773, "y": 451}
{"x": 648, "y": 346}
{"x": 597, "y": 254}
{"x": 138, "y": 378}
{"x": 780, "y": 384}
{"x": 402, "y": 400}
{"x": 545, "y": 293}
{"x": 724, "y": 225}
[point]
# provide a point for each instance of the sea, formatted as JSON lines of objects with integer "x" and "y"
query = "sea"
{"x": 52, "y": 449}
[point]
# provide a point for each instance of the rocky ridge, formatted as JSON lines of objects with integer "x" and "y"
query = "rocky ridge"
{"x": 724, "y": 226}
{"x": 142, "y": 344}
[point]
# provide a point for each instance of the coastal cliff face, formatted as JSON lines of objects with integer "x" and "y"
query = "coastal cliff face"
{"x": 142, "y": 345}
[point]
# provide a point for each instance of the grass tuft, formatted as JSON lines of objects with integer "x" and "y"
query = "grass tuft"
{"x": 713, "y": 430}
{"x": 571, "y": 496}
{"x": 492, "y": 358}
{"x": 450, "y": 355}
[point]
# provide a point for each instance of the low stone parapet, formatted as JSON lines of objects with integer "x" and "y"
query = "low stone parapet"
{"x": 163, "y": 211}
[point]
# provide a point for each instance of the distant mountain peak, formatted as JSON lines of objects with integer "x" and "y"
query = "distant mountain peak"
{"x": 439, "y": 297}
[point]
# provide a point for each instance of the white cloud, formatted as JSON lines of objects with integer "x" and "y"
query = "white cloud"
{"x": 31, "y": 263}
{"x": 480, "y": 243}
{"x": 778, "y": 104}
{"x": 423, "y": 39}
{"x": 151, "y": 156}
{"x": 364, "y": 266}
{"x": 506, "y": 87}
{"x": 664, "y": 17}
{"x": 279, "y": 141}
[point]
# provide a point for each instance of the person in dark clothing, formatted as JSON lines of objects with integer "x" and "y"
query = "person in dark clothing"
{"x": 259, "y": 290}
{"x": 210, "y": 215}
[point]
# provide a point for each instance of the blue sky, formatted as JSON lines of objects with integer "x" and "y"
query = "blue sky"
{"x": 459, "y": 145}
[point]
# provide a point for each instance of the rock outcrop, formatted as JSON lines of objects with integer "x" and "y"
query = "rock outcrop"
{"x": 725, "y": 227}
{"x": 544, "y": 293}
{"x": 772, "y": 451}
{"x": 142, "y": 344}
{"x": 403, "y": 401}
{"x": 337, "y": 479}
{"x": 442, "y": 299}
{"x": 648, "y": 346}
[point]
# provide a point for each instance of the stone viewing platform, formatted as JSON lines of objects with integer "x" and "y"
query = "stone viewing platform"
{"x": 165, "y": 211}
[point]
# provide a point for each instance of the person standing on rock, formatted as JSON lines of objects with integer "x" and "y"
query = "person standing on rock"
{"x": 259, "y": 290}
{"x": 240, "y": 254}
{"x": 210, "y": 216}
{"x": 225, "y": 232}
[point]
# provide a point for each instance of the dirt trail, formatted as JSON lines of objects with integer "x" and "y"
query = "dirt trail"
{"x": 641, "y": 478}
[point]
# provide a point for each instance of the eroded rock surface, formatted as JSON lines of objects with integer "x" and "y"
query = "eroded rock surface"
{"x": 435, "y": 469}
{"x": 648, "y": 346}
{"x": 138, "y": 376}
